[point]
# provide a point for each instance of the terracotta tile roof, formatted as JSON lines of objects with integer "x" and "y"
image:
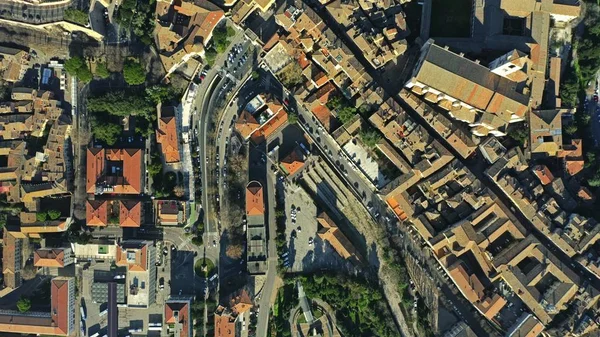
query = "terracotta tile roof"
{"x": 120, "y": 170}
{"x": 320, "y": 78}
{"x": 585, "y": 193}
{"x": 492, "y": 306}
{"x": 470, "y": 82}
{"x": 469, "y": 285}
{"x": 240, "y": 303}
{"x": 545, "y": 131}
{"x": 11, "y": 261}
{"x": 255, "y": 203}
{"x": 56, "y": 323}
{"x": 293, "y": 162}
{"x": 543, "y": 174}
{"x": 325, "y": 92}
{"x": 130, "y": 213}
{"x": 60, "y": 295}
{"x": 167, "y": 137}
{"x": 330, "y": 232}
{"x": 395, "y": 206}
{"x": 224, "y": 325}
{"x": 96, "y": 212}
{"x": 94, "y": 168}
{"x": 49, "y": 257}
{"x": 270, "y": 127}
{"x": 573, "y": 157}
{"x": 179, "y": 312}
{"x": 303, "y": 61}
{"x": 246, "y": 124}
{"x": 327, "y": 119}
{"x": 133, "y": 255}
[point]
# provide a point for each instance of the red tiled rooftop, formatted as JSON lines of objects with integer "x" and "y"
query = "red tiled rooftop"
{"x": 48, "y": 257}
{"x": 126, "y": 170}
{"x": 255, "y": 204}
{"x": 167, "y": 137}
{"x": 543, "y": 174}
{"x": 183, "y": 316}
{"x": 96, "y": 212}
{"x": 130, "y": 213}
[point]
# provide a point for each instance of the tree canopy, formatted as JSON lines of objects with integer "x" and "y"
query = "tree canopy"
{"x": 23, "y": 304}
{"x": 107, "y": 132}
{"x": 102, "y": 70}
{"x": 134, "y": 73}
{"x": 221, "y": 37}
{"x": 76, "y": 66}
{"x": 53, "y": 214}
{"x": 139, "y": 16}
{"x": 370, "y": 137}
{"x": 121, "y": 104}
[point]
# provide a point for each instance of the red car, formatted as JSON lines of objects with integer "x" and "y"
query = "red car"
{"x": 596, "y": 98}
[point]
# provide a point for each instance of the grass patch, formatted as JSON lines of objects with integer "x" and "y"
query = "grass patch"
{"x": 204, "y": 267}
{"x": 451, "y": 18}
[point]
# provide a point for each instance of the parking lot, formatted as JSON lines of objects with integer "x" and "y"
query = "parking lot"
{"x": 301, "y": 230}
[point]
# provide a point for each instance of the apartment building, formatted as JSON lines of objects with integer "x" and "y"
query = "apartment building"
{"x": 139, "y": 257}
{"x": 124, "y": 213}
{"x": 53, "y": 257}
{"x": 178, "y": 317}
{"x": 307, "y": 35}
{"x": 262, "y": 117}
{"x": 256, "y": 232}
{"x": 13, "y": 63}
{"x": 376, "y": 28}
{"x": 12, "y": 259}
{"x": 114, "y": 171}
{"x": 167, "y": 134}
{"x": 184, "y": 29}
{"x": 60, "y": 321}
{"x": 231, "y": 319}
{"x": 243, "y": 8}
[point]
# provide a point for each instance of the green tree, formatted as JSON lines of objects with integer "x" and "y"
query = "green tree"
{"x": 571, "y": 129}
{"x": 41, "y": 217}
{"x": 255, "y": 75}
{"x": 519, "y": 134}
{"x": 85, "y": 75}
{"x": 106, "y": 131}
{"x": 292, "y": 117}
{"x": 291, "y": 75}
{"x": 197, "y": 240}
{"x": 23, "y": 304}
{"x": 595, "y": 180}
{"x": 210, "y": 56}
{"x": 53, "y": 214}
{"x": 102, "y": 70}
{"x": 77, "y": 16}
{"x": 76, "y": 66}
{"x": 122, "y": 104}
{"x": 370, "y": 137}
{"x": 134, "y": 73}
{"x": 161, "y": 93}
{"x": 221, "y": 37}
{"x": 73, "y": 65}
